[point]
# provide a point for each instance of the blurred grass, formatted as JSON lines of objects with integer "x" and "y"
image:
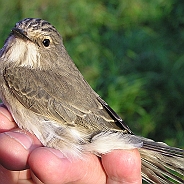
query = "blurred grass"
{"x": 131, "y": 53}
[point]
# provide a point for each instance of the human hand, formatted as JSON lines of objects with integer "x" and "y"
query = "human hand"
{"x": 25, "y": 161}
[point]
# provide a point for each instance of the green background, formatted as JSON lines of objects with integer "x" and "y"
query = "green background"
{"x": 130, "y": 51}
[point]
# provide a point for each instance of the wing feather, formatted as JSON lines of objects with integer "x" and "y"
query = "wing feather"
{"x": 56, "y": 96}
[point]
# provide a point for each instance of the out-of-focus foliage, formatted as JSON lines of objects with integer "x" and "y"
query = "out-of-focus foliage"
{"x": 131, "y": 52}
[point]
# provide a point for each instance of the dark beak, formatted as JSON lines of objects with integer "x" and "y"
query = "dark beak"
{"x": 20, "y": 33}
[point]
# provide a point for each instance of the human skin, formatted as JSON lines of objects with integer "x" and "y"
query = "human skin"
{"x": 23, "y": 160}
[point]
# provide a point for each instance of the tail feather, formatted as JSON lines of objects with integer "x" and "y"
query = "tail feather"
{"x": 163, "y": 148}
{"x": 151, "y": 176}
{"x": 162, "y": 163}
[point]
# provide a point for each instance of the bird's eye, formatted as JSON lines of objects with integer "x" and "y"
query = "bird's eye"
{"x": 46, "y": 42}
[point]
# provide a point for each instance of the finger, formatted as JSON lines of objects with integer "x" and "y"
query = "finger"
{"x": 6, "y": 120}
{"x": 15, "y": 148}
{"x": 7, "y": 176}
{"x": 19, "y": 177}
{"x": 35, "y": 179}
{"x": 50, "y": 166}
{"x": 123, "y": 166}
{"x": 24, "y": 177}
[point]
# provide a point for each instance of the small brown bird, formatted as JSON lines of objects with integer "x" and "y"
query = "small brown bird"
{"x": 47, "y": 95}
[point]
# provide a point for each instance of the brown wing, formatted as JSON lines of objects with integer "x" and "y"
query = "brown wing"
{"x": 62, "y": 96}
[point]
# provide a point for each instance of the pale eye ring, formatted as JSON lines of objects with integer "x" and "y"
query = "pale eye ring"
{"x": 46, "y": 42}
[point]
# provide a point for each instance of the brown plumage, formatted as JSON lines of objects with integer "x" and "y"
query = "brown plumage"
{"x": 47, "y": 95}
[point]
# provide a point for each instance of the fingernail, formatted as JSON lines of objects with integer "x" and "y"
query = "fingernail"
{"x": 22, "y": 138}
{"x": 57, "y": 153}
{"x": 5, "y": 113}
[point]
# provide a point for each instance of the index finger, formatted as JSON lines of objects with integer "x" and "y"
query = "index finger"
{"x": 123, "y": 166}
{"x": 6, "y": 120}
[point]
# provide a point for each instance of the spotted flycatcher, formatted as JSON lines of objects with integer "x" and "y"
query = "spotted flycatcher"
{"x": 47, "y": 95}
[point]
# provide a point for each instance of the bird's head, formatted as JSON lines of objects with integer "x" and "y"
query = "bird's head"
{"x": 31, "y": 40}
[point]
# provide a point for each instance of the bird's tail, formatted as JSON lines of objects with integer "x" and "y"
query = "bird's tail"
{"x": 162, "y": 163}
